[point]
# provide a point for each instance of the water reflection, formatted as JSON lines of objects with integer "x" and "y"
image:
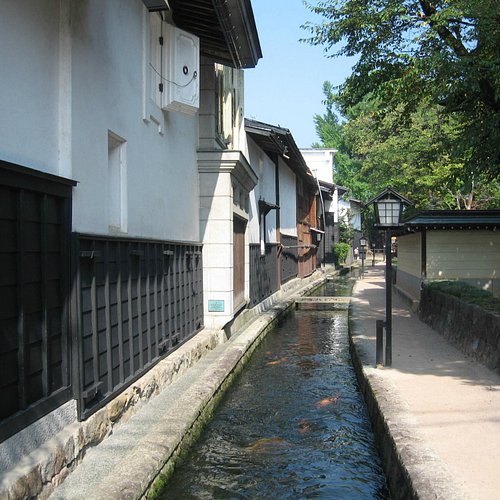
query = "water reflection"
{"x": 292, "y": 426}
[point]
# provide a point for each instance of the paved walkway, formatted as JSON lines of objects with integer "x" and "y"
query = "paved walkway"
{"x": 441, "y": 408}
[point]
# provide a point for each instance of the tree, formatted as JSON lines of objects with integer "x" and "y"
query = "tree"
{"x": 331, "y": 134}
{"x": 444, "y": 52}
{"x": 376, "y": 150}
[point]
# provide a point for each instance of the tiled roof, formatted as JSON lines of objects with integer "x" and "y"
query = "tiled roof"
{"x": 454, "y": 219}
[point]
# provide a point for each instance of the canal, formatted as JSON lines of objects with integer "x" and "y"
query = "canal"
{"x": 293, "y": 425}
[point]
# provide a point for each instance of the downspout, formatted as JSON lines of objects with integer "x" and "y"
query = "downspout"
{"x": 278, "y": 217}
{"x": 323, "y": 264}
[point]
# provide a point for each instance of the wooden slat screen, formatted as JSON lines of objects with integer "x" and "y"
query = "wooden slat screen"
{"x": 35, "y": 228}
{"x": 289, "y": 258}
{"x": 263, "y": 272}
{"x": 137, "y": 300}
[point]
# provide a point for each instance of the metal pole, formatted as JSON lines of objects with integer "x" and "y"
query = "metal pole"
{"x": 323, "y": 264}
{"x": 388, "y": 300}
{"x": 379, "y": 345}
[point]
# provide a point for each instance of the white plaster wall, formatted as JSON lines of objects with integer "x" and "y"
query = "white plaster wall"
{"x": 253, "y": 222}
{"x": 288, "y": 200}
{"x": 109, "y": 56}
{"x": 320, "y": 162}
{"x": 409, "y": 267}
{"x": 29, "y": 75}
{"x": 409, "y": 254}
{"x": 355, "y": 216}
{"x": 267, "y": 187}
{"x": 255, "y": 157}
{"x": 265, "y": 190}
{"x": 216, "y": 225}
{"x": 463, "y": 255}
{"x": 343, "y": 208}
{"x": 72, "y": 72}
{"x": 334, "y": 206}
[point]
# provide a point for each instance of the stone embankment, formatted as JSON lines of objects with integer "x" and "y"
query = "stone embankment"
{"x": 475, "y": 331}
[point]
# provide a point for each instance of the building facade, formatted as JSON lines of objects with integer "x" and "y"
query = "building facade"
{"x": 104, "y": 139}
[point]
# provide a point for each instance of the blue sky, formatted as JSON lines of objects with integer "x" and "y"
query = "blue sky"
{"x": 286, "y": 86}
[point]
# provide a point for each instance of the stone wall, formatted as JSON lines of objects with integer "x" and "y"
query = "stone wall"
{"x": 473, "y": 330}
{"x": 37, "y": 474}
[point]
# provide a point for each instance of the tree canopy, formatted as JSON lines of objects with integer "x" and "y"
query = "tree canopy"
{"x": 375, "y": 151}
{"x": 417, "y": 54}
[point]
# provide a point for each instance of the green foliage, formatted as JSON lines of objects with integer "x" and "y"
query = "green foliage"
{"x": 341, "y": 251}
{"x": 377, "y": 149}
{"x": 467, "y": 293}
{"x": 444, "y": 53}
{"x": 346, "y": 231}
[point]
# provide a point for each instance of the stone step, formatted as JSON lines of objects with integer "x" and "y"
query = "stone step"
{"x": 322, "y": 303}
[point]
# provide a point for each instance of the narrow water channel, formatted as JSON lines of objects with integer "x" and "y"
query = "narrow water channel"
{"x": 293, "y": 425}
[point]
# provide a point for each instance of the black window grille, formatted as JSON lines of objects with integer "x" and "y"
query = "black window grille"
{"x": 35, "y": 229}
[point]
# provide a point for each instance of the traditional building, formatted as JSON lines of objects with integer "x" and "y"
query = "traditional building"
{"x": 333, "y": 204}
{"x": 114, "y": 114}
{"x": 283, "y": 241}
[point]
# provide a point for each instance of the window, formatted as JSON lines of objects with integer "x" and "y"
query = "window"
{"x": 153, "y": 69}
{"x": 155, "y": 58}
{"x": 117, "y": 184}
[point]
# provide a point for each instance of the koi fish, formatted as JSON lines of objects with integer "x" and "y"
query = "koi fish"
{"x": 268, "y": 444}
{"x": 327, "y": 401}
{"x": 304, "y": 426}
{"x": 277, "y": 362}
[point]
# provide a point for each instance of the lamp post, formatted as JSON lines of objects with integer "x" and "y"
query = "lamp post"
{"x": 388, "y": 207}
{"x": 362, "y": 244}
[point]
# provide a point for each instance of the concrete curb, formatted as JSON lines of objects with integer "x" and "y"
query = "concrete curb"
{"x": 412, "y": 469}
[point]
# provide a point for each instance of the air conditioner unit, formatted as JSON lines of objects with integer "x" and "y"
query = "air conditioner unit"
{"x": 182, "y": 71}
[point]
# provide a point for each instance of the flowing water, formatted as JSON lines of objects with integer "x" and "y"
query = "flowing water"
{"x": 293, "y": 425}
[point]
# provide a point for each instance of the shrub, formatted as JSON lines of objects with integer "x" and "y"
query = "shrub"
{"x": 467, "y": 293}
{"x": 341, "y": 251}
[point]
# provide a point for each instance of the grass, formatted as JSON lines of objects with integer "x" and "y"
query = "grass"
{"x": 468, "y": 293}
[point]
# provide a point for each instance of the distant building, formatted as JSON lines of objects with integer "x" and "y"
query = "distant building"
{"x": 283, "y": 242}
{"x": 337, "y": 208}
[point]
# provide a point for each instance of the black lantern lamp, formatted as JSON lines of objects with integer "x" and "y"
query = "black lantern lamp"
{"x": 388, "y": 207}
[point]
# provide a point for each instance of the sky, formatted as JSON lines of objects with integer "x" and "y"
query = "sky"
{"x": 285, "y": 88}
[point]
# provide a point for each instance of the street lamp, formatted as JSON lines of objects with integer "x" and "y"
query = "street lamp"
{"x": 362, "y": 244}
{"x": 388, "y": 207}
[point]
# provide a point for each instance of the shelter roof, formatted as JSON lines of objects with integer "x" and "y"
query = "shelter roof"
{"x": 454, "y": 219}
